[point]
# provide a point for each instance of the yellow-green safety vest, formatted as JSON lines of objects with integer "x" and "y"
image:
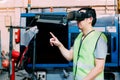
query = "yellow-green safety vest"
{"x": 84, "y": 55}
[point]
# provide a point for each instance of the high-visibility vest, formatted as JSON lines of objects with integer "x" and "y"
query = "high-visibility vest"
{"x": 84, "y": 55}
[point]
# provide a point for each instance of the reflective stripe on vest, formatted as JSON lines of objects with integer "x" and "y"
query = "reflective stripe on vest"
{"x": 84, "y": 58}
{"x": 82, "y": 65}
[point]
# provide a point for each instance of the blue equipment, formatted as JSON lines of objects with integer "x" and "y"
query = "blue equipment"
{"x": 50, "y": 57}
{"x": 46, "y": 55}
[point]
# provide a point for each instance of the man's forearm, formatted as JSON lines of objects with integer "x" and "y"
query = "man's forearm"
{"x": 65, "y": 52}
{"x": 93, "y": 73}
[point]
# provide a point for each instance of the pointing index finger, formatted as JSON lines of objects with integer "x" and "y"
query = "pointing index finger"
{"x": 52, "y": 35}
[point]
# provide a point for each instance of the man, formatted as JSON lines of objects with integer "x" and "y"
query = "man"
{"x": 89, "y": 49}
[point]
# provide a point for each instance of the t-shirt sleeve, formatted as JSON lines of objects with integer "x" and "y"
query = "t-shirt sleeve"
{"x": 101, "y": 49}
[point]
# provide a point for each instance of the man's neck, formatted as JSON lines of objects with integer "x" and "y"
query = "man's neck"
{"x": 86, "y": 31}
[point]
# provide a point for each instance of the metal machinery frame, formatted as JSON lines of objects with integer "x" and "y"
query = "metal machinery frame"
{"x": 11, "y": 70}
{"x": 27, "y": 15}
{"x": 51, "y": 19}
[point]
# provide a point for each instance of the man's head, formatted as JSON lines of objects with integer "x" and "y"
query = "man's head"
{"x": 81, "y": 14}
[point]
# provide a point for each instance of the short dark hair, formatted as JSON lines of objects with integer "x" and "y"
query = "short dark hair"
{"x": 91, "y": 13}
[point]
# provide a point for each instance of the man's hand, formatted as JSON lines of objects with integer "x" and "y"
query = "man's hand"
{"x": 54, "y": 40}
{"x": 68, "y": 54}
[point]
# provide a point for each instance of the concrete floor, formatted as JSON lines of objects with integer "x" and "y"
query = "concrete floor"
{"x": 20, "y": 75}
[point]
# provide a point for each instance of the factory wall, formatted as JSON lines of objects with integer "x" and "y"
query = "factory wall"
{"x": 8, "y": 17}
{"x": 10, "y": 11}
{"x": 55, "y": 3}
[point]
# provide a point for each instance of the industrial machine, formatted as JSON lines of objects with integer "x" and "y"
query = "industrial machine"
{"x": 47, "y": 59}
{"x": 40, "y": 56}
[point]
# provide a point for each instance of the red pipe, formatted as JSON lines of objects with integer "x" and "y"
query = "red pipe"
{"x": 12, "y": 76}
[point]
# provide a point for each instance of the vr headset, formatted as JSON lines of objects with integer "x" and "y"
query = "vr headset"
{"x": 77, "y": 15}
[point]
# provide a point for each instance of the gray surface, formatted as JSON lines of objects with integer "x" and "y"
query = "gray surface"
{"x": 53, "y": 75}
{"x": 19, "y": 75}
{"x": 50, "y": 76}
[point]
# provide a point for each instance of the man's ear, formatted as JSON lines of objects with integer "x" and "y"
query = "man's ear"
{"x": 90, "y": 19}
